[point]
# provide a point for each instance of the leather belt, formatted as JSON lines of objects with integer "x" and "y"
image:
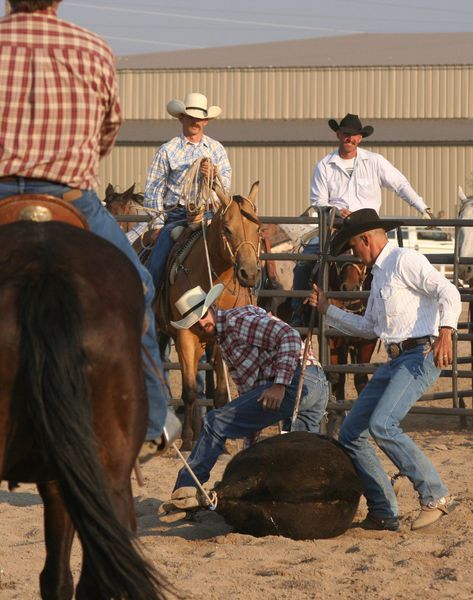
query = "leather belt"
{"x": 69, "y": 196}
{"x": 396, "y": 349}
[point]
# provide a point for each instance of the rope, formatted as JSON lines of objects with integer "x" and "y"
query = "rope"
{"x": 212, "y": 497}
{"x": 197, "y": 188}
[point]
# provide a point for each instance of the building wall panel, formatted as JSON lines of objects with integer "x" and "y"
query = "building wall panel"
{"x": 285, "y": 171}
{"x": 412, "y": 92}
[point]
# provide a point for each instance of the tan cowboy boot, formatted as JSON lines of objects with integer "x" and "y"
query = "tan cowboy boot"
{"x": 430, "y": 513}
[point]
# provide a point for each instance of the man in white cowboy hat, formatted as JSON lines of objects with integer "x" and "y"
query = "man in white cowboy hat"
{"x": 163, "y": 190}
{"x": 413, "y": 309}
{"x": 350, "y": 178}
{"x": 263, "y": 355}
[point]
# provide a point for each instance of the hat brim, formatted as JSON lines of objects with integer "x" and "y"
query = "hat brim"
{"x": 176, "y": 108}
{"x": 364, "y": 131}
{"x": 340, "y": 240}
{"x": 193, "y": 317}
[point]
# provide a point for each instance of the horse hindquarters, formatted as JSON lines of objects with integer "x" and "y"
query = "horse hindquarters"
{"x": 52, "y": 362}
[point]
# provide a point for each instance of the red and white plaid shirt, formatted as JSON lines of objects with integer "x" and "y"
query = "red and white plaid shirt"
{"x": 257, "y": 348}
{"x": 58, "y": 99}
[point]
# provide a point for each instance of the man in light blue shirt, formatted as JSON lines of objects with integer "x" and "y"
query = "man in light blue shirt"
{"x": 164, "y": 184}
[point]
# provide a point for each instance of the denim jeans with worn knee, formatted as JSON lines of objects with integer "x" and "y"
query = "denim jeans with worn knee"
{"x": 383, "y": 403}
{"x": 245, "y": 415}
{"x": 103, "y": 224}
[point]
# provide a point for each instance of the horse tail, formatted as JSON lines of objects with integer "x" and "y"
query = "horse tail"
{"x": 52, "y": 364}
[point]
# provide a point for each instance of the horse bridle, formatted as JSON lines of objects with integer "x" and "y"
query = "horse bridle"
{"x": 355, "y": 305}
{"x": 250, "y": 217}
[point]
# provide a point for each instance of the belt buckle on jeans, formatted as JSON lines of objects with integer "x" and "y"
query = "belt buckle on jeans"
{"x": 394, "y": 350}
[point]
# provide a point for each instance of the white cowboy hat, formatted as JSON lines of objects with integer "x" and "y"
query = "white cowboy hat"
{"x": 194, "y": 303}
{"x": 195, "y": 105}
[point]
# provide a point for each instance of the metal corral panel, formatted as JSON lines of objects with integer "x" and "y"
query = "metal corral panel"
{"x": 403, "y": 92}
{"x": 285, "y": 171}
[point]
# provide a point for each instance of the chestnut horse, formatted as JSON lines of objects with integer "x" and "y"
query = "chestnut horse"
{"x": 233, "y": 244}
{"x": 73, "y": 405}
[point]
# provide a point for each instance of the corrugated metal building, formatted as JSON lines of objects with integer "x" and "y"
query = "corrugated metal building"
{"x": 416, "y": 90}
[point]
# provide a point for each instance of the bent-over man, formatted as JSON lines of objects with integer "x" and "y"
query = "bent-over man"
{"x": 263, "y": 355}
{"x": 413, "y": 309}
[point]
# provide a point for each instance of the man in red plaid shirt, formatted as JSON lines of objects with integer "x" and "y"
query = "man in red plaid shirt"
{"x": 263, "y": 355}
{"x": 60, "y": 116}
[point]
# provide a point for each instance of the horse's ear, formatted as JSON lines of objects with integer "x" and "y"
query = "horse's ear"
{"x": 461, "y": 194}
{"x": 109, "y": 191}
{"x": 222, "y": 195}
{"x": 129, "y": 192}
{"x": 254, "y": 192}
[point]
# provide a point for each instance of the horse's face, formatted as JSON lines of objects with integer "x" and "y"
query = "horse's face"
{"x": 123, "y": 203}
{"x": 465, "y": 239}
{"x": 240, "y": 228}
{"x": 351, "y": 277}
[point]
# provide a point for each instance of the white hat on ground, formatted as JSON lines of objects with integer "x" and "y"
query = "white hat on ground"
{"x": 195, "y": 105}
{"x": 194, "y": 303}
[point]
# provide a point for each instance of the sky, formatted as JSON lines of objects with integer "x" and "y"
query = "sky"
{"x": 139, "y": 26}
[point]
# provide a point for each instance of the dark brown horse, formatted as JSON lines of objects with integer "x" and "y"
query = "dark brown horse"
{"x": 233, "y": 246}
{"x": 349, "y": 277}
{"x": 73, "y": 406}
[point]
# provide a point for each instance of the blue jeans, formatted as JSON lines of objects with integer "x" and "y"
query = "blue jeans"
{"x": 103, "y": 224}
{"x": 160, "y": 252}
{"x": 301, "y": 281}
{"x": 245, "y": 415}
{"x": 384, "y": 402}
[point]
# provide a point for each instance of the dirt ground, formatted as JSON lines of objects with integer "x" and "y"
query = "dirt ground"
{"x": 204, "y": 559}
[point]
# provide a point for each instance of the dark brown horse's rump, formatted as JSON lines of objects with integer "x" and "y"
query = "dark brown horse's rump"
{"x": 299, "y": 485}
{"x": 73, "y": 406}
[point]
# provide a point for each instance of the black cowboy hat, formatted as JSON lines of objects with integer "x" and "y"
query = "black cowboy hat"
{"x": 360, "y": 221}
{"x": 351, "y": 124}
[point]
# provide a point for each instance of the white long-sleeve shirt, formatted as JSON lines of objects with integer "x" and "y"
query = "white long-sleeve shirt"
{"x": 409, "y": 298}
{"x": 332, "y": 185}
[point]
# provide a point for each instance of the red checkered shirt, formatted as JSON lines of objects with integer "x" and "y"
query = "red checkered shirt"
{"x": 257, "y": 348}
{"x": 58, "y": 99}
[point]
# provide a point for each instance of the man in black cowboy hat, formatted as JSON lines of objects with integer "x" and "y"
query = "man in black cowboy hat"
{"x": 413, "y": 309}
{"x": 351, "y": 178}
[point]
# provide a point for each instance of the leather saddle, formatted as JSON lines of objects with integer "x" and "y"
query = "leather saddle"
{"x": 39, "y": 208}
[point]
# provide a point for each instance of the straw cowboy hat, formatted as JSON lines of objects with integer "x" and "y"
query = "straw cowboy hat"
{"x": 195, "y": 105}
{"x": 360, "y": 221}
{"x": 351, "y": 124}
{"x": 194, "y": 303}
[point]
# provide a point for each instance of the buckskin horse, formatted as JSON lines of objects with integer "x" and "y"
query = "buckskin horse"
{"x": 73, "y": 406}
{"x": 233, "y": 246}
